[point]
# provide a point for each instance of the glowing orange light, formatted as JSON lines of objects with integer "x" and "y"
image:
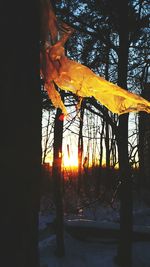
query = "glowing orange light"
{"x": 79, "y": 79}
{"x": 69, "y": 75}
{"x": 71, "y": 161}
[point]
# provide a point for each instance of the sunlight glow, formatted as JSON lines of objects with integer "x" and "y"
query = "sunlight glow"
{"x": 70, "y": 161}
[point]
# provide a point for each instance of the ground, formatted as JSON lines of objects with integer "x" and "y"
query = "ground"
{"x": 91, "y": 250}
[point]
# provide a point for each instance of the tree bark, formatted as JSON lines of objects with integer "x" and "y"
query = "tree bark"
{"x": 99, "y": 176}
{"x": 20, "y": 140}
{"x": 80, "y": 147}
{"x": 125, "y": 242}
{"x": 141, "y": 180}
{"x": 106, "y": 123}
{"x": 46, "y": 138}
{"x": 58, "y": 183}
{"x": 144, "y": 140}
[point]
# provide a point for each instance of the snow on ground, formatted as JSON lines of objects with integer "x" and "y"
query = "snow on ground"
{"x": 93, "y": 253}
{"x": 79, "y": 254}
{"x": 45, "y": 219}
{"x": 90, "y": 254}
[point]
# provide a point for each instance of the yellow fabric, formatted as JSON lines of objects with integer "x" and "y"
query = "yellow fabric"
{"x": 55, "y": 97}
{"x": 80, "y": 80}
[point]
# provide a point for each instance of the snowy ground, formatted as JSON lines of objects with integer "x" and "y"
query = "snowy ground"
{"x": 97, "y": 252}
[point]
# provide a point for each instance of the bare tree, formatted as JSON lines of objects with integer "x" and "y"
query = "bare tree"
{"x": 80, "y": 146}
{"x": 125, "y": 243}
{"x": 47, "y": 134}
{"x": 58, "y": 182}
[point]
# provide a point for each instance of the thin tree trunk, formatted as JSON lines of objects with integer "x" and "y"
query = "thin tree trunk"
{"x": 58, "y": 183}
{"x": 46, "y": 139}
{"x": 101, "y": 145}
{"x": 80, "y": 147}
{"x": 98, "y": 182}
{"x": 106, "y": 123}
{"x": 107, "y": 145}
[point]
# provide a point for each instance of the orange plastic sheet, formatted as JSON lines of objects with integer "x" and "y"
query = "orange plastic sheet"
{"x": 72, "y": 76}
{"x": 80, "y": 80}
{"x": 48, "y": 23}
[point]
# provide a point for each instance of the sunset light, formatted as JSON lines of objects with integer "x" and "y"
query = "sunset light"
{"x": 75, "y": 124}
{"x": 71, "y": 161}
{"x": 68, "y": 161}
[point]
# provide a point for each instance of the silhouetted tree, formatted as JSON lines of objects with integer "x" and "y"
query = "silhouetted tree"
{"x": 58, "y": 182}
{"x": 80, "y": 146}
{"x": 125, "y": 243}
{"x": 20, "y": 140}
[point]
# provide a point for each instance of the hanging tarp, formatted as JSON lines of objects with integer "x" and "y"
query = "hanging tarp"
{"x": 72, "y": 76}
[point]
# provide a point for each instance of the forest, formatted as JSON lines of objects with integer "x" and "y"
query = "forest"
{"x": 111, "y": 149}
{"x": 75, "y": 154}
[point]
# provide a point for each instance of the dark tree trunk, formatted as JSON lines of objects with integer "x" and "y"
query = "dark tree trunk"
{"x": 141, "y": 180}
{"x": 144, "y": 140}
{"x": 80, "y": 147}
{"x": 125, "y": 243}
{"x": 101, "y": 144}
{"x": 58, "y": 183}
{"x": 107, "y": 145}
{"x": 99, "y": 176}
{"x": 20, "y": 140}
{"x": 106, "y": 123}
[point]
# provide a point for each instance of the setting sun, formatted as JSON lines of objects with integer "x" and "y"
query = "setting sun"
{"x": 70, "y": 161}
{"x": 69, "y": 158}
